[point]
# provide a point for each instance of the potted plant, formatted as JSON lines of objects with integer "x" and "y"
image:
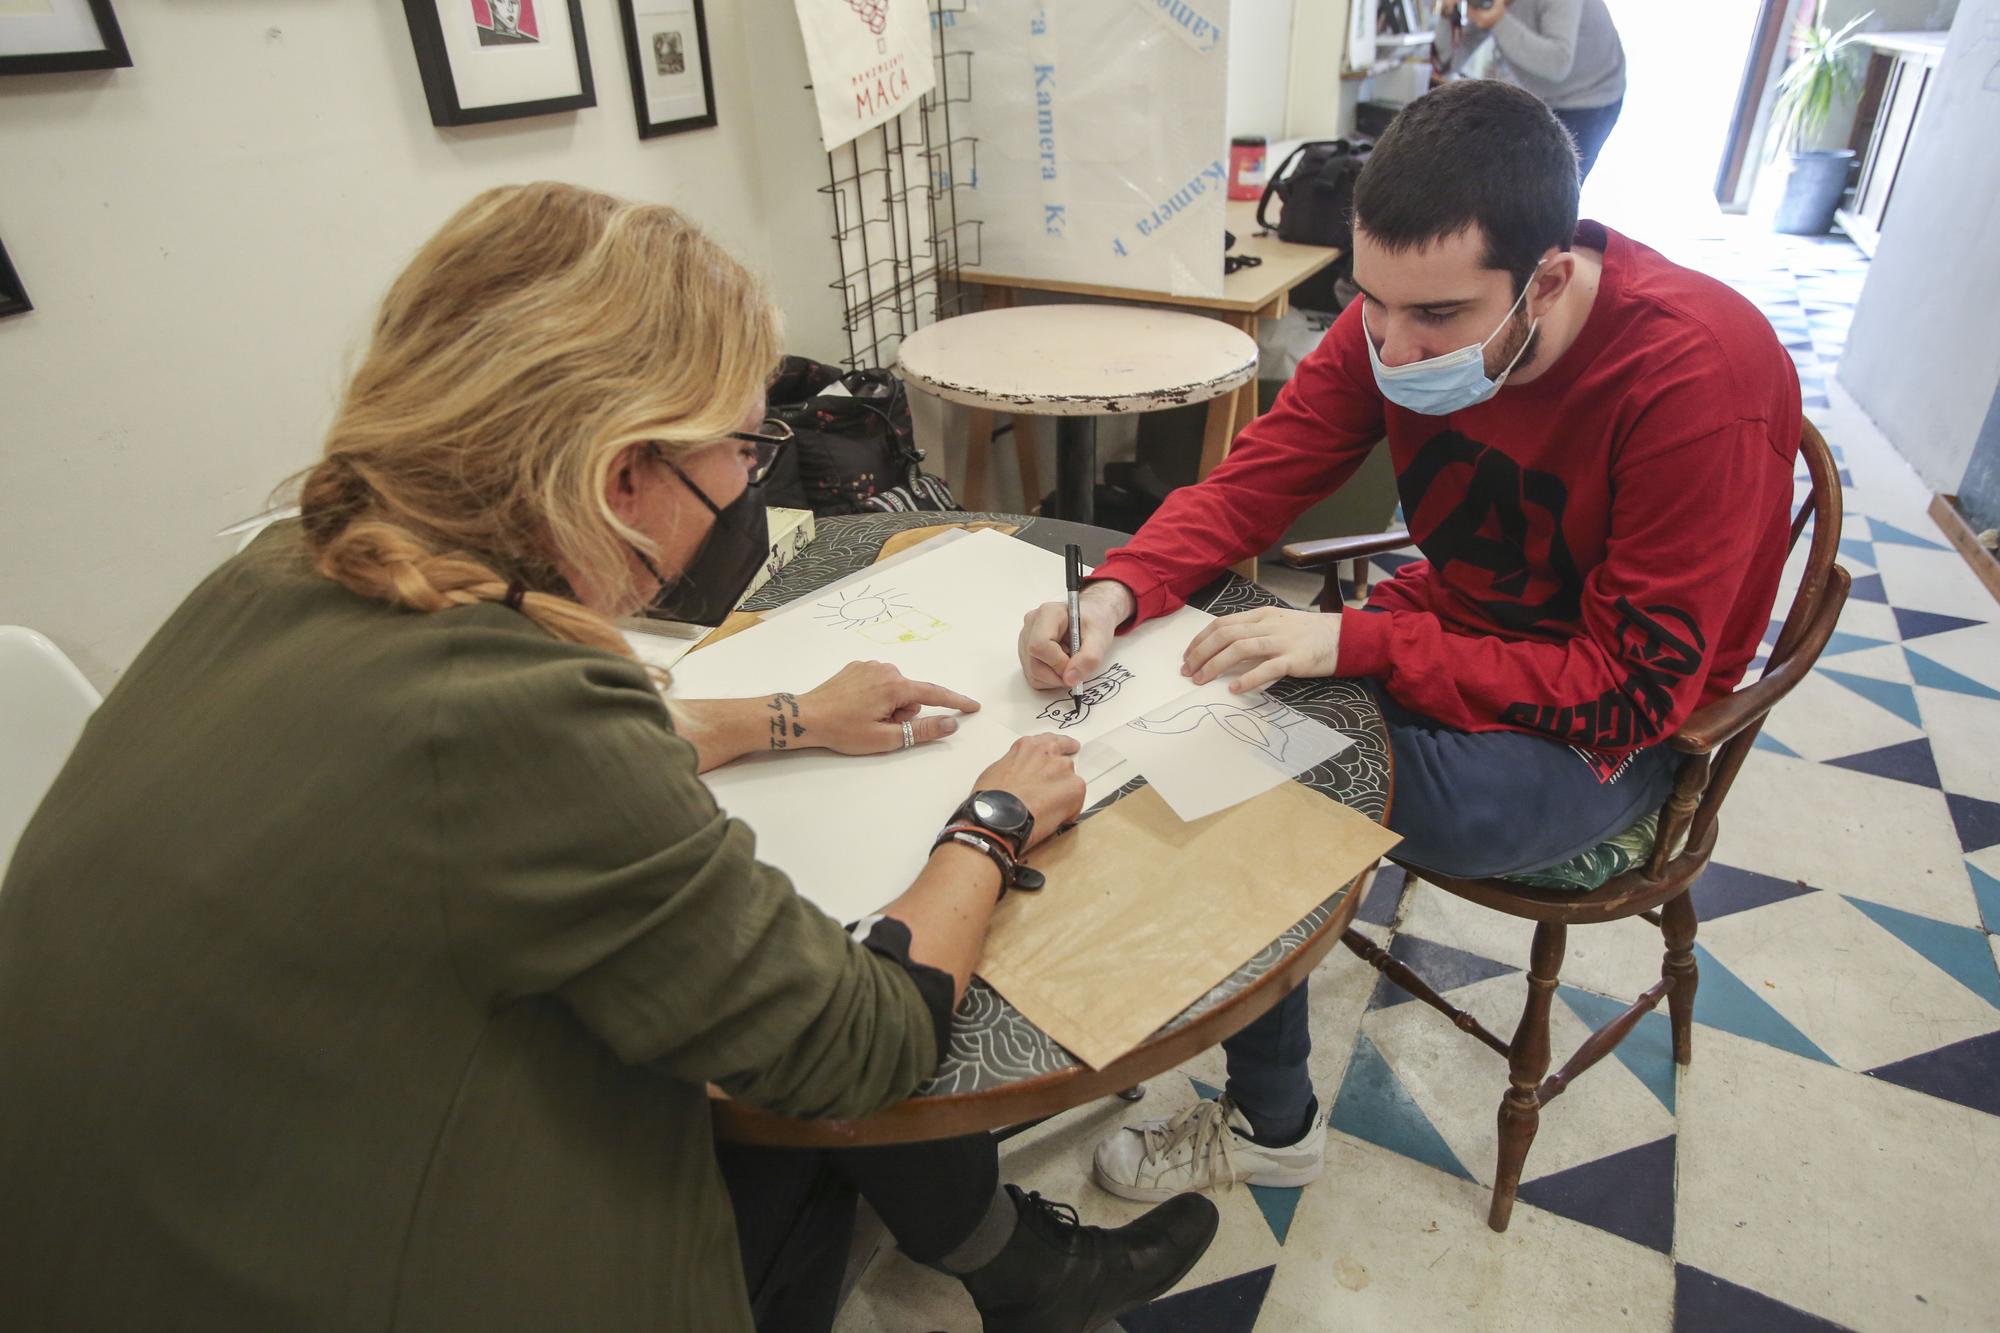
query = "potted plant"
{"x": 1821, "y": 77}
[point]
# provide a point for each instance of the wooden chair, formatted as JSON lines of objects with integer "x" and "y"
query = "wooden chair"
{"x": 1716, "y": 739}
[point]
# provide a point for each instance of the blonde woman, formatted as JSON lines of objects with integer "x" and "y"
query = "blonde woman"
{"x": 366, "y": 964}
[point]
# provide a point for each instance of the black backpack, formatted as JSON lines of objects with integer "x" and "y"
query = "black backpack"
{"x": 1317, "y": 194}
{"x": 853, "y": 452}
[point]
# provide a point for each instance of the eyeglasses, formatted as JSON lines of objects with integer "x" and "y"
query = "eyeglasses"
{"x": 767, "y": 443}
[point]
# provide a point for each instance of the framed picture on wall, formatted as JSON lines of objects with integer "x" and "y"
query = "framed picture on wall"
{"x": 54, "y": 36}
{"x": 666, "y": 48}
{"x": 487, "y": 60}
{"x": 13, "y": 296}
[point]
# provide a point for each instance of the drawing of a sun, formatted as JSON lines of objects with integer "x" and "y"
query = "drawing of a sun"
{"x": 863, "y": 605}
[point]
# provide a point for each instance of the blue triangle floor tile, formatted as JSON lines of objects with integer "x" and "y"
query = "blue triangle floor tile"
{"x": 1229, "y": 1306}
{"x": 1889, "y": 532}
{"x": 1721, "y": 1000}
{"x": 1858, "y": 548}
{"x": 1704, "y": 1303}
{"x": 1898, "y": 698}
{"x": 1846, "y": 477}
{"x": 1648, "y": 1049}
{"x": 1444, "y": 967}
{"x": 1938, "y": 676}
{"x": 1868, "y": 588}
{"x": 1909, "y": 762}
{"x": 1765, "y": 741}
{"x": 1966, "y": 1072}
{"x": 1630, "y": 1194}
{"x": 1385, "y": 895}
{"x": 1723, "y": 890}
{"x": 1208, "y": 1092}
{"x": 1375, "y": 1106}
{"x": 1916, "y": 624}
{"x": 1987, "y": 890}
{"x": 1277, "y": 1203}
{"x": 1840, "y": 641}
{"x": 1961, "y": 951}
{"x": 1978, "y": 821}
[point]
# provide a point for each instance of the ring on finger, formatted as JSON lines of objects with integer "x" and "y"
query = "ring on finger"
{"x": 909, "y": 736}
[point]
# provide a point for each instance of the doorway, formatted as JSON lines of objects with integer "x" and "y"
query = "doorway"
{"x": 1684, "y": 62}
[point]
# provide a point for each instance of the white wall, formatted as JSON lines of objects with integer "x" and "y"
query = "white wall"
{"x": 1260, "y": 57}
{"x": 1923, "y": 356}
{"x": 205, "y": 236}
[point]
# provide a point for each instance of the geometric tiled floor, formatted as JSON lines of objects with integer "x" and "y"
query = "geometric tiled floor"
{"x": 1832, "y": 1156}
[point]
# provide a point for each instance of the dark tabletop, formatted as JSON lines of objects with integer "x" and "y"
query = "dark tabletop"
{"x": 991, "y": 1044}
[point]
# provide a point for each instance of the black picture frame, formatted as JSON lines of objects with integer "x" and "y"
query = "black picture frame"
{"x": 13, "y": 296}
{"x": 434, "y": 57}
{"x": 111, "y": 55}
{"x": 636, "y": 56}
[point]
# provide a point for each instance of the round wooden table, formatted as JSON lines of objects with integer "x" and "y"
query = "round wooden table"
{"x": 1001, "y": 1069}
{"x": 1076, "y": 363}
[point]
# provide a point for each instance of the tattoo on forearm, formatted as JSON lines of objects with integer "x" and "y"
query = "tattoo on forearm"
{"x": 785, "y": 726}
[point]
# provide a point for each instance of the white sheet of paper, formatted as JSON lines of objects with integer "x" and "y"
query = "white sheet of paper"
{"x": 1104, "y": 769}
{"x": 929, "y": 544}
{"x": 854, "y": 831}
{"x": 1210, "y": 749}
{"x": 950, "y": 617}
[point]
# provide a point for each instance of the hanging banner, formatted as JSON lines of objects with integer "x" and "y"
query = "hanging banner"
{"x": 870, "y": 61}
{"x": 1100, "y": 129}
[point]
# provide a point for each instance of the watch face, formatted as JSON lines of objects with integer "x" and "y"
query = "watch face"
{"x": 999, "y": 810}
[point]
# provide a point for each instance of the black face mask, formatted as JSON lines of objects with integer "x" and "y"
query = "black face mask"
{"x": 737, "y": 544}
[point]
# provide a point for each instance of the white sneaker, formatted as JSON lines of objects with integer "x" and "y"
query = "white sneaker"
{"x": 1204, "y": 1146}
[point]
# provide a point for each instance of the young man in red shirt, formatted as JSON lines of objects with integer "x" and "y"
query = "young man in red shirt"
{"x": 1594, "y": 450}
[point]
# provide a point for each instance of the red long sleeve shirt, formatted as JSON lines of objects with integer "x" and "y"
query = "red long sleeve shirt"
{"x": 1603, "y": 543}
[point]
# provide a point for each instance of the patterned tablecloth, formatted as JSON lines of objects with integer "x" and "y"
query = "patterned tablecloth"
{"x": 991, "y": 1044}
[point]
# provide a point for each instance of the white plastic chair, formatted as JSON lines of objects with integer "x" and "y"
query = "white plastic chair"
{"x": 249, "y": 529}
{"x": 44, "y": 702}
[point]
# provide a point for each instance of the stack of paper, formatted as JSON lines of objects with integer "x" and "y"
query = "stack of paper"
{"x": 853, "y": 833}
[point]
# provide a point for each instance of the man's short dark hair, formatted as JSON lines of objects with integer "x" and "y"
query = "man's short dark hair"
{"x": 1473, "y": 152}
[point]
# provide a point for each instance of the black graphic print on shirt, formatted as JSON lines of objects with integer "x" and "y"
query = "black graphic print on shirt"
{"x": 1660, "y": 648}
{"x": 1505, "y": 531}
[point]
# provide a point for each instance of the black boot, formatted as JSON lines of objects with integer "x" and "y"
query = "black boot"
{"x": 1057, "y": 1276}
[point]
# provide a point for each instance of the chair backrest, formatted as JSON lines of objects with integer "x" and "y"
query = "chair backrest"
{"x": 44, "y": 702}
{"x": 1822, "y": 589}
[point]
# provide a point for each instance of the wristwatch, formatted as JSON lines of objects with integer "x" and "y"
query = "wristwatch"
{"x": 999, "y": 824}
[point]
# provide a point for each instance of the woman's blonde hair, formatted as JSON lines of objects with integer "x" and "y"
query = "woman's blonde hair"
{"x": 543, "y": 330}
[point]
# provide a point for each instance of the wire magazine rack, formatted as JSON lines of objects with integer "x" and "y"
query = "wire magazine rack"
{"x": 901, "y": 228}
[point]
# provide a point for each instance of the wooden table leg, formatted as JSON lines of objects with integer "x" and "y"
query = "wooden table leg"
{"x": 1243, "y": 412}
{"x": 1217, "y": 432}
{"x": 978, "y": 456}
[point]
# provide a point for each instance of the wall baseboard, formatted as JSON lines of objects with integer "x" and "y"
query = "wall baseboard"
{"x": 1944, "y": 512}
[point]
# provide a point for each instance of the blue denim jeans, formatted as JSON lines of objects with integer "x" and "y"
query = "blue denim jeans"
{"x": 1468, "y": 804}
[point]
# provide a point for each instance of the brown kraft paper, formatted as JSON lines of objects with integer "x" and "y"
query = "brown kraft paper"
{"x": 1143, "y": 914}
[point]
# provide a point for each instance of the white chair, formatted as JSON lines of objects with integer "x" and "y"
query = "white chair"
{"x": 249, "y": 529}
{"x": 44, "y": 702}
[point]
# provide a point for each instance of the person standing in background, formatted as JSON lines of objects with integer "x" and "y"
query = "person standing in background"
{"x": 1565, "y": 52}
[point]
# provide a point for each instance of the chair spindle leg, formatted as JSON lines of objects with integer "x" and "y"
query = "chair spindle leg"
{"x": 1527, "y": 1061}
{"x": 1679, "y": 971}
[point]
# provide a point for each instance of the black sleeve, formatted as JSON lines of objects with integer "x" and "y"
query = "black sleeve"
{"x": 890, "y": 938}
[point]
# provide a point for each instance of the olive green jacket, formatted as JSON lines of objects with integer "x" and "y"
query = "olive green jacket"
{"x": 363, "y": 970}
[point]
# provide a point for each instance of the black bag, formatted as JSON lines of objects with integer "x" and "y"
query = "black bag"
{"x": 1318, "y": 195}
{"x": 852, "y": 452}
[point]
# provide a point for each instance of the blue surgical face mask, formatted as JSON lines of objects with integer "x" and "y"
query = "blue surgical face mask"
{"x": 1449, "y": 383}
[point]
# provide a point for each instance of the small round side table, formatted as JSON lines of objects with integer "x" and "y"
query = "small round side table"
{"x": 1076, "y": 363}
